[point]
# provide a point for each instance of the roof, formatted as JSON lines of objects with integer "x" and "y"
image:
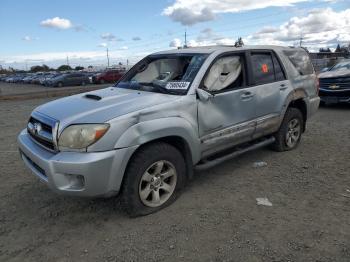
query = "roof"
{"x": 223, "y": 48}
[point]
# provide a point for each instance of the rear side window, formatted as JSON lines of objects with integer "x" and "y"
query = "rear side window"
{"x": 300, "y": 60}
{"x": 279, "y": 74}
{"x": 262, "y": 68}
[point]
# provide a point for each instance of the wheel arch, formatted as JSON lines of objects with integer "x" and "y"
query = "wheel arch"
{"x": 301, "y": 105}
{"x": 174, "y": 131}
{"x": 176, "y": 141}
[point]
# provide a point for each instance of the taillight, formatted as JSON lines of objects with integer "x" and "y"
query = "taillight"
{"x": 317, "y": 85}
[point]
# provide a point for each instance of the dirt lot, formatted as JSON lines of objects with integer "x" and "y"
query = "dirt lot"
{"x": 215, "y": 219}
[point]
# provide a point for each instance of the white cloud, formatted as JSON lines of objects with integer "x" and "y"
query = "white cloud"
{"x": 102, "y": 45}
{"x": 176, "y": 42}
{"x": 57, "y": 22}
{"x": 320, "y": 27}
{"x": 190, "y": 12}
{"x": 28, "y": 38}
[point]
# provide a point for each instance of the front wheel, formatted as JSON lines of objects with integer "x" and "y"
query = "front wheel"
{"x": 289, "y": 135}
{"x": 153, "y": 179}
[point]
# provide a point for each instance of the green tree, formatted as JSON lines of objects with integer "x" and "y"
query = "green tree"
{"x": 64, "y": 68}
{"x": 38, "y": 68}
{"x": 239, "y": 42}
{"x": 79, "y": 68}
{"x": 338, "y": 49}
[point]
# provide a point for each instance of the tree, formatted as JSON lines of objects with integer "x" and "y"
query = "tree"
{"x": 325, "y": 50}
{"x": 38, "y": 68}
{"x": 79, "y": 68}
{"x": 64, "y": 68}
{"x": 338, "y": 49}
{"x": 239, "y": 42}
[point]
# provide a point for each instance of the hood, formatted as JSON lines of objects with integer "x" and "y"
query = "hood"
{"x": 101, "y": 105}
{"x": 337, "y": 73}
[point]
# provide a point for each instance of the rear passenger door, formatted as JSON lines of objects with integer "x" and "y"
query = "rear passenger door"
{"x": 271, "y": 89}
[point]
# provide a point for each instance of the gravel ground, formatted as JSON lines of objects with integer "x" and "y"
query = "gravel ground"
{"x": 215, "y": 219}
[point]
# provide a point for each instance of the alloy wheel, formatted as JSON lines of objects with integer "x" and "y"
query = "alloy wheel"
{"x": 293, "y": 132}
{"x": 158, "y": 183}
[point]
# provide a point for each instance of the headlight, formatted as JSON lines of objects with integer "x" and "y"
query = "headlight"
{"x": 81, "y": 136}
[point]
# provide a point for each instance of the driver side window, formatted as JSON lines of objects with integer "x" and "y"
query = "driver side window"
{"x": 226, "y": 73}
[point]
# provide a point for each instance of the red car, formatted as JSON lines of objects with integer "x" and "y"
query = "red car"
{"x": 109, "y": 76}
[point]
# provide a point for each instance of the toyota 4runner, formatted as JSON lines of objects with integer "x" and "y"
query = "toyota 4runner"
{"x": 172, "y": 113}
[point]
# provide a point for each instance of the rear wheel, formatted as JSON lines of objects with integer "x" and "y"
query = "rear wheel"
{"x": 83, "y": 83}
{"x": 60, "y": 84}
{"x": 102, "y": 81}
{"x": 289, "y": 135}
{"x": 153, "y": 179}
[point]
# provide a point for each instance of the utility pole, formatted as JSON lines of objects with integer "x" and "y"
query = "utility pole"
{"x": 107, "y": 57}
{"x": 301, "y": 41}
{"x": 67, "y": 61}
{"x": 185, "y": 46}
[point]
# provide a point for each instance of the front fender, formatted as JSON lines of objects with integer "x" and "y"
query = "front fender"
{"x": 147, "y": 131}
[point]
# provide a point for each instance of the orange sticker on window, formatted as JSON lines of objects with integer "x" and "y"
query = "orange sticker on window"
{"x": 264, "y": 68}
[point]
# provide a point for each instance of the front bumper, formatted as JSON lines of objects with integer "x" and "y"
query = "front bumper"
{"x": 334, "y": 96}
{"x": 76, "y": 173}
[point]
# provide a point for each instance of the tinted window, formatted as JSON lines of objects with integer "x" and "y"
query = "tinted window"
{"x": 279, "y": 74}
{"x": 262, "y": 68}
{"x": 300, "y": 60}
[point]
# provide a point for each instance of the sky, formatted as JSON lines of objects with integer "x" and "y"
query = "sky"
{"x": 48, "y": 32}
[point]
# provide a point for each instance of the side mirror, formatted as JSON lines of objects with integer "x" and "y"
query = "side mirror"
{"x": 203, "y": 95}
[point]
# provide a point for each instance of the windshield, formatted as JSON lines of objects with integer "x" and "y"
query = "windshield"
{"x": 341, "y": 66}
{"x": 170, "y": 74}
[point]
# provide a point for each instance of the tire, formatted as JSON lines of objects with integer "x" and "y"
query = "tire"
{"x": 102, "y": 81}
{"x": 289, "y": 135}
{"x": 83, "y": 83}
{"x": 166, "y": 166}
{"x": 59, "y": 84}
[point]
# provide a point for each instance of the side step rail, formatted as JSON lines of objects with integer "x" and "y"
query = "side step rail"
{"x": 224, "y": 158}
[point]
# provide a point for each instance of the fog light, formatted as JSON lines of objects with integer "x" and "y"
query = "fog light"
{"x": 75, "y": 182}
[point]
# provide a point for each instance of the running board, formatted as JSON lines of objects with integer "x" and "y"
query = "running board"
{"x": 224, "y": 158}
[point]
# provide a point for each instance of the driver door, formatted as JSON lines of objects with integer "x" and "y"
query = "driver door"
{"x": 227, "y": 117}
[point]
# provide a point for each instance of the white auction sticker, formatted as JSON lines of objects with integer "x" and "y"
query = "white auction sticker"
{"x": 177, "y": 85}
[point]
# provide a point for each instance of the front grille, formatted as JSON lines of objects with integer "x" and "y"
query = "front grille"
{"x": 335, "y": 83}
{"x": 41, "y": 130}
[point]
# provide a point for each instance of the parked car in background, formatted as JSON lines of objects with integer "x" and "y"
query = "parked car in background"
{"x": 335, "y": 83}
{"x": 109, "y": 76}
{"x": 47, "y": 77}
{"x": 172, "y": 112}
{"x": 68, "y": 79}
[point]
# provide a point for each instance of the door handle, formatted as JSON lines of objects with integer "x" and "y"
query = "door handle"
{"x": 283, "y": 87}
{"x": 246, "y": 95}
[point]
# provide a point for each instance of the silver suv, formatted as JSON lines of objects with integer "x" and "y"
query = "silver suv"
{"x": 173, "y": 112}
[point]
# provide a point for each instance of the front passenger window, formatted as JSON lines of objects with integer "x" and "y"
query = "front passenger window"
{"x": 225, "y": 73}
